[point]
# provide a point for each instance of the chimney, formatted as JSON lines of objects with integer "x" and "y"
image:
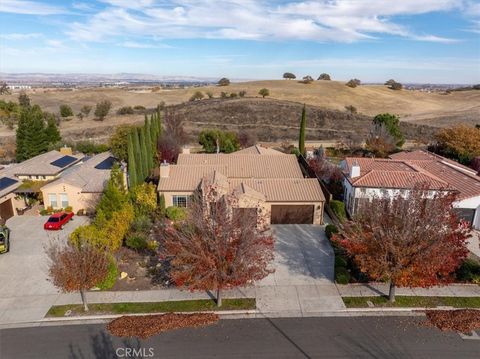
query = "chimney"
{"x": 66, "y": 150}
{"x": 164, "y": 169}
{"x": 186, "y": 150}
{"x": 355, "y": 169}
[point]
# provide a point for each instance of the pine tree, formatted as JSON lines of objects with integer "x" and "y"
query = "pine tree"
{"x": 132, "y": 166}
{"x": 31, "y": 138}
{"x": 143, "y": 149}
{"x": 138, "y": 156}
{"x": 51, "y": 132}
{"x": 301, "y": 140}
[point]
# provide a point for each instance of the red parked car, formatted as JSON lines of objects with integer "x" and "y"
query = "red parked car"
{"x": 58, "y": 220}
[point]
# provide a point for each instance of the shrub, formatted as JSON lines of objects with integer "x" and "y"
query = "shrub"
{"x": 468, "y": 270}
{"x": 198, "y": 95}
{"x": 233, "y": 95}
{"x": 89, "y": 147}
{"x": 338, "y": 207}
{"x": 161, "y": 204}
{"x": 125, "y": 110}
{"x": 209, "y": 94}
{"x": 66, "y": 111}
{"x": 69, "y": 209}
{"x": 136, "y": 241}
{"x": 341, "y": 275}
{"x": 351, "y": 109}
{"x": 223, "y": 95}
{"x": 139, "y": 108}
{"x": 81, "y": 212}
{"x": 330, "y": 230}
{"x": 340, "y": 262}
{"x": 242, "y": 93}
{"x": 102, "y": 109}
{"x": 353, "y": 83}
{"x": 141, "y": 224}
{"x": 44, "y": 212}
{"x": 111, "y": 277}
{"x": 175, "y": 213}
{"x": 264, "y": 92}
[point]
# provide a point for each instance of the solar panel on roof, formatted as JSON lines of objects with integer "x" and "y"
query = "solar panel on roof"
{"x": 63, "y": 161}
{"x": 6, "y": 182}
{"x": 106, "y": 164}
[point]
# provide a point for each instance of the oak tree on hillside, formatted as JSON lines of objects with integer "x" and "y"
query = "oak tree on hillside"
{"x": 324, "y": 76}
{"x": 289, "y": 76}
{"x": 414, "y": 239}
{"x": 223, "y": 82}
{"x": 76, "y": 267}
{"x": 264, "y": 92}
{"x": 221, "y": 247}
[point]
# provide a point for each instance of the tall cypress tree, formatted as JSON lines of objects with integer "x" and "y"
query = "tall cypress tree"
{"x": 143, "y": 149}
{"x": 138, "y": 156}
{"x": 159, "y": 123}
{"x": 301, "y": 140}
{"x": 51, "y": 132}
{"x": 148, "y": 145}
{"x": 132, "y": 166}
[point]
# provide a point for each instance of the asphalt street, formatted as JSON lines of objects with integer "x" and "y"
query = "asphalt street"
{"x": 354, "y": 337}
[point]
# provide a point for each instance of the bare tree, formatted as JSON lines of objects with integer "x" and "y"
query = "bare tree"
{"x": 379, "y": 141}
{"x": 223, "y": 246}
{"x": 4, "y": 90}
{"x": 76, "y": 267}
{"x": 412, "y": 239}
{"x": 173, "y": 124}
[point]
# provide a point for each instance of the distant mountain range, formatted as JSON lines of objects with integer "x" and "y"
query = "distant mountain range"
{"x": 77, "y": 78}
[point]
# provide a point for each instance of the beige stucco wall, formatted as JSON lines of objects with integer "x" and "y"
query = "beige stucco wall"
{"x": 76, "y": 199}
{"x": 246, "y": 202}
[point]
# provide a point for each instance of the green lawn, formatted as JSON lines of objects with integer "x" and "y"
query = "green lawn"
{"x": 412, "y": 301}
{"x": 153, "y": 307}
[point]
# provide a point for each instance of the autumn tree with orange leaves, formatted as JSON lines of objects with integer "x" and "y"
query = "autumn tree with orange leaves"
{"x": 460, "y": 142}
{"x": 414, "y": 240}
{"x": 219, "y": 246}
{"x": 76, "y": 267}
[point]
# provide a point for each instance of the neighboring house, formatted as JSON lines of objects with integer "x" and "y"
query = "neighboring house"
{"x": 81, "y": 186}
{"x": 368, "y": 177}
{"x": 256, "y": 177}
{"x": 44, "y": 167}
{"x": 47, "y": 166}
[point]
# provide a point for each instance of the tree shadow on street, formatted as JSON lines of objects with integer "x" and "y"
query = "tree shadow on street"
{"x": 103, "y": 347}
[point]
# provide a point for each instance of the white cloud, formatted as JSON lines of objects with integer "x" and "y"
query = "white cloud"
{"x": 143, "y": 45}
{"x": 29, "y": 8}
{"x": 321, "y": 20}
{"x": 18, "y": 36}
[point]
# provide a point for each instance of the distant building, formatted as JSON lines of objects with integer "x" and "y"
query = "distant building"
{"x": 19, "y": 87}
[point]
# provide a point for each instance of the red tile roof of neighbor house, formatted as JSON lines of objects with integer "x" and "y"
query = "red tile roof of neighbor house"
{"x": 407, "y": 169}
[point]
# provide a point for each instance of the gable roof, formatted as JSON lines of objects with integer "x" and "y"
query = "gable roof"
{"x": 246, "y": 166}
{"x": 257, "y": 150}
{"x": 47, "y": 164}
{"x": 258, "y": 174}
{"x": 89, "y": 176}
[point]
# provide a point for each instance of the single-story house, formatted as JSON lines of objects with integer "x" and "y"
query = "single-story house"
{"x": 256, "y": 176}
{"x": 81, "y": 186}
{"x": 365, "y": 178}
{"x": 44, "y": 167}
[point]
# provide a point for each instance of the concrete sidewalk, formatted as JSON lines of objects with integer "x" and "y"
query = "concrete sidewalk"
{"x": 375, "y": 289}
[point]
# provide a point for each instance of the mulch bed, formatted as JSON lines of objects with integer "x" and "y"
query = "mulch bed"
{"x": 145, "y": 326}
{"x": 461, "y": 320}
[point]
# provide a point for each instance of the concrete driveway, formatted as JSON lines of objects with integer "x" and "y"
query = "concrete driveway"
{"x": 25, "y": 292}
{"x": 303, "y": 282}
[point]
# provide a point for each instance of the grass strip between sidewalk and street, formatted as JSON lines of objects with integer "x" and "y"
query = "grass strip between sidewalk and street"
{"x": 152, "y": 307}
{"x": 412, "y": 302}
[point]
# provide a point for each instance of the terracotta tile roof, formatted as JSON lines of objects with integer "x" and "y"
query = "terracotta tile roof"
{"x": 247, "y": 166}
{"x": 418, "y": 167}
{"x": 422, "y": 155}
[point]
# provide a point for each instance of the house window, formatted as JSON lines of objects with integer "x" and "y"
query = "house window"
{"x": 180, "y": 201}
{"x": 52, "y": 199}
{"x": 64, "y": 200}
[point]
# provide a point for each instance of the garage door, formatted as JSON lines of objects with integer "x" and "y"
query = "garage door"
{"x": 295, "y": 214}
{"x": 6, "y": 210}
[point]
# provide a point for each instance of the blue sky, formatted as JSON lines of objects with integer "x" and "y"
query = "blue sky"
{"x": 434, "y": 41}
